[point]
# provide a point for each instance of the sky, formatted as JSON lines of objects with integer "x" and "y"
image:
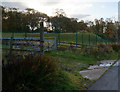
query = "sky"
{"x": 81, "y": 9}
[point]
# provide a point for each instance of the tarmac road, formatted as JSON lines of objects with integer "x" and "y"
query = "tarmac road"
{"x": 110, "y": 80}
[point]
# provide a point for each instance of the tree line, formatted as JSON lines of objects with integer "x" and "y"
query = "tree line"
{"x": 28, "y": 20}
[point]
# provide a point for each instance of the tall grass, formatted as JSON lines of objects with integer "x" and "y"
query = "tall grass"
{"x": 30, "y": 73}
{"x": 35, "y": 73}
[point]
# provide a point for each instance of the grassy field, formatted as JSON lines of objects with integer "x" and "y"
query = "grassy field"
{"x": 82, "y": 38}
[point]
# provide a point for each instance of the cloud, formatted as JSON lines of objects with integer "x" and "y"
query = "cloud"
{"x": 61, "y": 0}
{"x": 79, "y": 16}
{"x": 73, "y": 8}
{"x": 45, "y": 2}
{"x": 102, "y": 6}
{"x": 90, "y": 1}
{"x": 50, "y": 3}
{"x": 19, "y": 5}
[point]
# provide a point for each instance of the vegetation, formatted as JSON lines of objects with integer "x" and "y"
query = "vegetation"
{"x": 36, "y": 73}
{"x": 80, "y": 59}
{"x": 57, "y": 70}
{"x": 29, "y": 21}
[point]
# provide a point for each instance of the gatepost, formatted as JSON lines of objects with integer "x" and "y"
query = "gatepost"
{"x": 42, "y": 38}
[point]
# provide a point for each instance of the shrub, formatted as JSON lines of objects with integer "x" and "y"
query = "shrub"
{"x": 34, "y": 73}
{"x": 105, "y": 48}
{"x": 116, "y": 47}
{"x": 100, "y": 52}
{"x": 31, "y": 72}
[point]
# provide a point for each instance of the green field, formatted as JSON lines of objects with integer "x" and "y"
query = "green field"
{"x": 82, "y": 38}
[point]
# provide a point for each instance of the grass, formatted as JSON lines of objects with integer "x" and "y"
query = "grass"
{"x": 73, "y": 56}
{"x": 66, "y": 65}
{"x": 80, "y": 59}
{"x": 69, "y": 81}
{"x": 37, "y": 73}
{"x": 72, "y": 61}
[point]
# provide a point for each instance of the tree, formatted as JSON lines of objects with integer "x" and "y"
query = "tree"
{"x": 62, "y": 22}
{"x": 65, "y": 24}
{"x": 60, "y": 13}
{"x": 102, "y": 25}
{"x": 34, "y": 18}
{"x": 16, "y": 21}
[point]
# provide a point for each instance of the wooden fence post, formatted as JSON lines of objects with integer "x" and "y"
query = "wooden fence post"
{"x": 96, "y": 39}
{"x": 48, "y": 46}
{"x": 25, "y": 35}
{"x": 59, "y": 38}
{"x": 76, "y": 39}
{"x": 55, "y": 43}
{"x": 11, "y": 46}
{"x": 82, "y": 39}
{"x": 89, "y": 39}
{"x": 42, "y": 38}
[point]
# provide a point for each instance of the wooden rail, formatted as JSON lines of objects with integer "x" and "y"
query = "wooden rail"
{"x": 28, "y": 44}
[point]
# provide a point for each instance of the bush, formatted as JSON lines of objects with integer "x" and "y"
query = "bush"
{"x": 105, "y": 48}
{"x": 30, "y": 73}
{"x": 34, "y": 73}
{"x": 116, "y": 47}
{"x": 102, "y": 51}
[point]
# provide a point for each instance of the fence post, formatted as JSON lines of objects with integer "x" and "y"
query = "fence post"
{"x": 89, "y": 38}
{"x": 42, "y": 38}
{"x": 55, "y": 43}
{"x": 101, "y": 40}
{"x": 25, "y": 34}
{"x": 106, "y": 40}
{"x": 13, "y": 34}
{"x": 11, "y": 46}
{"x": 76, "y": 39}
{"x": 82, "y": 39}
{"x": 96, "y": 39}
{"x": 59, "y": 38}
{"x": 48, "y": 46}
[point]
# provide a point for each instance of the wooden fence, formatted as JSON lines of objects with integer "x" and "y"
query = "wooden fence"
{"x": 28, "y": 44}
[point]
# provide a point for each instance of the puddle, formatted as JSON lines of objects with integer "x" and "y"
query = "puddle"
{"x": 106, "y": 64}
{"x": 102, "y": 64}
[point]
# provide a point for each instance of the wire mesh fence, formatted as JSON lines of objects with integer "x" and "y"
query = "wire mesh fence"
{"x": 64, "y": 38}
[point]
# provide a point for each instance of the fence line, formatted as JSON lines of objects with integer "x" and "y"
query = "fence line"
{"x": 73, "y": 44}
{"x": 81, "y": 38}
{"x": 28, "y": 44}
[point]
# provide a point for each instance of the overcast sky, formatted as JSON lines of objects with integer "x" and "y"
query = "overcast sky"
{"x": 81, "y": 9}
